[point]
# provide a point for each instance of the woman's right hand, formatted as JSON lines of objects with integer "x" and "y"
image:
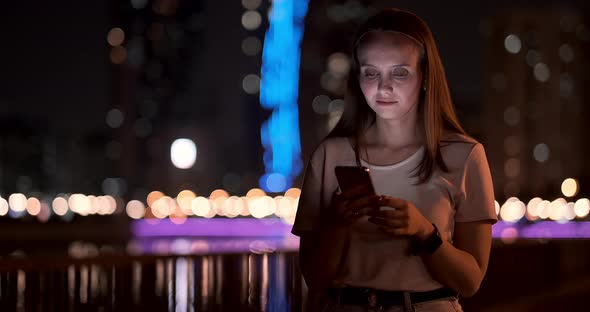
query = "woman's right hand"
{"x": 347, "y": 207}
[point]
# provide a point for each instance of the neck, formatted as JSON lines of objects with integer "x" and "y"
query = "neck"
{"x": 395, "y": 133}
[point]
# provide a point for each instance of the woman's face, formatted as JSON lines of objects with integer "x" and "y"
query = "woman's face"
{"x": 390, "y": 76}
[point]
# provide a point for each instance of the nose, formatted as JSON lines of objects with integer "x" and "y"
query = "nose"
{"x": 385, "y": 84}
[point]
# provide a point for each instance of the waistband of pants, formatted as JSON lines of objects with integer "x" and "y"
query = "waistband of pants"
{"x": 384, "y": 298}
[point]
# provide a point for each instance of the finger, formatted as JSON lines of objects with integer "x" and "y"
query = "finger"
{"x": 389, "y": 223}
{"x": 394, "y": 202}
{"x": 357, "y": 191}
{"x": 367, "y": 210}
{"x": 361, "y": 202}
{"x": 395, "y": 231}
{"x": 389, "y": 214}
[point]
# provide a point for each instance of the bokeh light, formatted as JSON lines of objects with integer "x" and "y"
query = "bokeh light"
{"x": 569, "y": 212}
{"x": 255, "y": 192}
{"x": 201, "y": 206}
{"x": 115, "y": 118}
{"x": 183, "y": 153}
{"x": 509, "y": 235}
{"x": 274, "y": 182}
{"x": 251, "y": 4}
{"x": 184, "y": 200}
{"x": 45, "y": 212}
{"x": 60, "y": 206}
{"x": 513, "y": 210}
{"x": 566, "y": 53}
{"x": 233, "y": 206}
{"x": 338, "y": 64}
{"x": 246, "y": 209}
{"x": 135, "y": 209}
{"x": 556, "y": 209}
{"x": 293, "y": 192}
{"x": 3, "y": 207}
{"x": 251, "y": 20}
{"x": 512, "y": 115}
{"x": 251, "y": 46}
{"x": 153, "y": 196}
{"x": 118, "y": 55}
{"x": 512, "y": 44}
{"x": 542, "y": 72}
{"x": 17, "y": 202}
{"x": 321, "y": 104}
{"x": 512, "y": 167}
{"x": 582, "y": 207}
{"x": 251, "y": 84}
{"x": 116, "y": 36}
{"x": 33, "y": 206}
{"x": 512, "y": 145}
{"x": 541, "y": 152}
{"x": 569, "y": 187}
{"x": 532, "y": 208}
{"x": 543, "y": 209}
{"x": 218, "y": 193}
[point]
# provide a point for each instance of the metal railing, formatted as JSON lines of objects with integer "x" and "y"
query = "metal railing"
{"x": 215, "y": 282}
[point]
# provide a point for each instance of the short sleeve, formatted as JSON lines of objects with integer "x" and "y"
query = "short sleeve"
{"x": 310, "y": 200}
{"x": 476, "y": 202}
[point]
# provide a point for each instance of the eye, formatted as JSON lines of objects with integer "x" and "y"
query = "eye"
{"x": 370, "y": 74}
{"x": 400, "y": 72}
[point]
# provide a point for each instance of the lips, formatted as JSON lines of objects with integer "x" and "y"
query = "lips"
{"x": 385, "y": 102}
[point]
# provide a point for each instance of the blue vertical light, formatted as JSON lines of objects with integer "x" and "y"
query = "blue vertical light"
{"x": 279, "y": 86}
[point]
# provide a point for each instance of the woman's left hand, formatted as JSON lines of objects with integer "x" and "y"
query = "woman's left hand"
{"x": 403, "y": 220}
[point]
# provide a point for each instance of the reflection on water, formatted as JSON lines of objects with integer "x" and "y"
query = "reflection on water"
{"x": 256, "y": 279}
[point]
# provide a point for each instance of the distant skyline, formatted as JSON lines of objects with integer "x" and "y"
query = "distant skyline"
{"x": 58, "y": 81}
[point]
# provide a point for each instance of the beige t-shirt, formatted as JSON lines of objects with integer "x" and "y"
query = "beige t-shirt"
{"x": 380, "y": 261}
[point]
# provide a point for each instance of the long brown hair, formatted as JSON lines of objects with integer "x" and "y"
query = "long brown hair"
{"x": 435, "y": 102}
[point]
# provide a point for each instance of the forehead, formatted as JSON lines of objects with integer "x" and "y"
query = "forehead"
{"x": 388, "y": 45}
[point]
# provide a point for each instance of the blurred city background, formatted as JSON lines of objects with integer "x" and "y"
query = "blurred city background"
{"x": 151, "y": 151}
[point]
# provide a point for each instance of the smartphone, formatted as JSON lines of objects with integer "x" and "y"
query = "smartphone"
{"x": 350, "y": 177}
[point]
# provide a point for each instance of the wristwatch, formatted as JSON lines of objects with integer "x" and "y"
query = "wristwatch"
{"x": 429, "y": 245}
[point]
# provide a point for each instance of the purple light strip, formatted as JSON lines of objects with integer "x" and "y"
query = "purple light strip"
{"x": 214, "y": 227}
{"x": 542, "y": 229}
{"x": 274, "y": 227}
{"x": 203, "y": 246}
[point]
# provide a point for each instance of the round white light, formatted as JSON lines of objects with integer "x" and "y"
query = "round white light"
{"x": 569, "y": 187}
{"x": 582, "y": 207}
{"x": 18, "y": 202}
{"x": 512, "y": 44}
{"x": 183, "y": 153}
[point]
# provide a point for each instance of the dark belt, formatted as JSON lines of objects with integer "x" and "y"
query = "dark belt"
{"x": 384, "y": 298}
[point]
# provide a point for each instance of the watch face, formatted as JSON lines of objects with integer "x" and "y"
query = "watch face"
{"x": 433, "y": 241}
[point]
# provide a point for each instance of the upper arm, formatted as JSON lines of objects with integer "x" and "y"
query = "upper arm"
{"x": 476, "y": 199}
{"x": 475, "y": 238}
{"x": 310, "y": 200}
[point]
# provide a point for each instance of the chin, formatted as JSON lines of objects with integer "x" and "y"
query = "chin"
{"x": 388, "y": 116}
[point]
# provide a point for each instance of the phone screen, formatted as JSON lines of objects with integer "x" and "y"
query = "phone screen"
{"x": 350, "y": 177}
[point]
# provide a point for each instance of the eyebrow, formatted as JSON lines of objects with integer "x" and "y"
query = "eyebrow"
{"x": 397, "y": 65}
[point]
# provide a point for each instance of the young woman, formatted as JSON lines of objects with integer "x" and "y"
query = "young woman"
{"x": 356, "y": 252}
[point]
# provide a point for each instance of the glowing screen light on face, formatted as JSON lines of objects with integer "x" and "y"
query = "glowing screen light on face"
{"x": 279, "y": 87}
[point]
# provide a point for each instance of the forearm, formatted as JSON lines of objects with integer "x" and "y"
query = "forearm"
{"x": 455, "y": 268}
{"x": 321, "y": 255}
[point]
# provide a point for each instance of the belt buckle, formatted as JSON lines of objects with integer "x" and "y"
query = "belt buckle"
{"x": 372, "y": 300}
